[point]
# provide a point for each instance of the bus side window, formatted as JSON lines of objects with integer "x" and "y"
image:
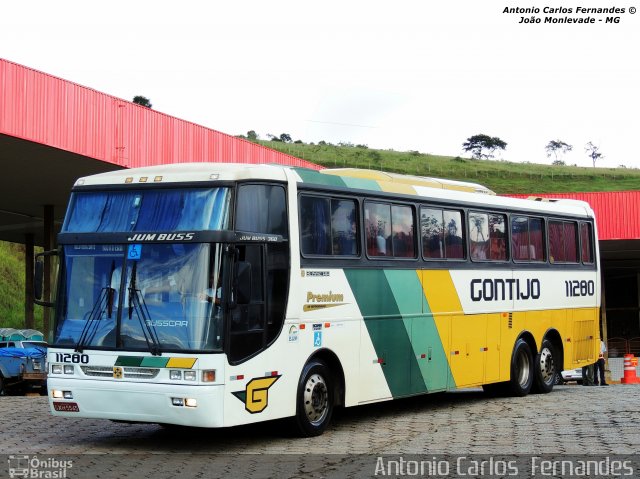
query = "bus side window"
{"x": 498, "y": 237}
{"x": 315, "y": 232}
{"x": 586, "y": 243}
{"x": 402, "y": 226}
{"x": 479, "y": 235}
{"x": 261, "y": 209}
{"x": 377, "y": 224}
{"x": 571, "y": 241}
{"x": 432, "y": 230}
{"x": 344, "y": 231}
{"x": 563, "y": 242}
{"x": 556, "y": 242}
{"x": 527, "y": 239}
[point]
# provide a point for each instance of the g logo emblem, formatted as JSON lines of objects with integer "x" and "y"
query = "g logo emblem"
{"x": 256, "y": 395}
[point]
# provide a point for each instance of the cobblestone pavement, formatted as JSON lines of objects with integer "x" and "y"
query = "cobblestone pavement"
{"x": 570, "y": 420}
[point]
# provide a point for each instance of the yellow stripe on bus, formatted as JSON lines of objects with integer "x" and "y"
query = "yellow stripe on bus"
{"x": 182, "y": 363}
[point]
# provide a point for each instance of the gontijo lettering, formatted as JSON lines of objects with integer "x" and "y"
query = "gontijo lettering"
{"x": 498, "y": 289}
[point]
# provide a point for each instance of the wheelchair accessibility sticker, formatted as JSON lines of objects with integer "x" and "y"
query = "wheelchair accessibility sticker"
{"x": 317, "y": 339}
{"x": 134, "y": 252}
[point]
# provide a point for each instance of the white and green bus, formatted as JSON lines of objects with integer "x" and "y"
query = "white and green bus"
{"x": 216, "y": 294}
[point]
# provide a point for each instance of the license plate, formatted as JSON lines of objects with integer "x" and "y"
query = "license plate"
{"x": 66, "y": 406}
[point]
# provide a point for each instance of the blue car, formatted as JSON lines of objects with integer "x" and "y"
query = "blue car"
{"x": 23, "y": 366}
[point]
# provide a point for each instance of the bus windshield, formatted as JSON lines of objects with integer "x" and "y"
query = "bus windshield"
{"x": 151, "y": 297}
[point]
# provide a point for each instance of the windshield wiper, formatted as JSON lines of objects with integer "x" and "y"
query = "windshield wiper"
{"x": 88, "y": 333}
{"x": 104, "y": 301}
{"x": 137, "y": 304}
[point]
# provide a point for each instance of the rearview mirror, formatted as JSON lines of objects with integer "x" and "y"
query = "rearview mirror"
{"x": 38, "y": 278}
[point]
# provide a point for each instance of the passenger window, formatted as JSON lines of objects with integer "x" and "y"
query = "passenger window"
{"x": 453, "y": 238}
{"x": 498, "y": 237}
{"x": 328, "y": 226}
{"x": 571, "y": 242}
{"x": 377, "y": 218}
{"x": 556, "y": 242}
{"x": 441, "y": 233}
{"x": 344, "y": 231}
{"x": 315, "y": 233}
{"x": 488, "y": 236}
{"x": 261, "y": 209}
{"x": 479, "y": 235}
{"x": 402, "y": 228}
{"x": 432, "y": 230}
{"x": 563, "y": 244}
{"x": 527, "y": 239}
{"x": 586, "y": 243}
{"x": 389, "y": 230}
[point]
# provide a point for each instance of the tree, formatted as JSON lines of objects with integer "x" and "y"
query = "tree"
{"x": 252, "y": 135}
{"x": 556, "y": 146}
{"x": 142, "y": 100}
{"x": 285, "y": 138}
{"x": 593, "y": 153}
{"x": 483, "y": 146}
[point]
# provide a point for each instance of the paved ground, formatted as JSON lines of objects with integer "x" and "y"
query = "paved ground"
{"x": 571, "y": 420}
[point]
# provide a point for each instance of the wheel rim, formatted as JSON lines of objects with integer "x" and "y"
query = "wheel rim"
{"x": 523, "y": 368}
{"x": 316, "y": 399}
{"x": 547, "y": 368}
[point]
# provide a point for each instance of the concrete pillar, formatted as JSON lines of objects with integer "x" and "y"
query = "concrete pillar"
{"x": 605, "y": 333}
{"x": 48, "y": 244}
{"x": 29, "y": 322}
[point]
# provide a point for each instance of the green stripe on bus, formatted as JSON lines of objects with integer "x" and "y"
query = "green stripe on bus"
{"x": 149, "y": 362}
{"x": 361, "y": 183}
{"x": 407, "y": 291}
{"x": 311, "y": 176}
{"x": 385, "y": 326}
{"x": 129, "y": 361}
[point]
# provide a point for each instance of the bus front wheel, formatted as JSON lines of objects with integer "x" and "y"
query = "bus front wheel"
{"x": 314, "y": 403}
{"x": 521, "y": 369}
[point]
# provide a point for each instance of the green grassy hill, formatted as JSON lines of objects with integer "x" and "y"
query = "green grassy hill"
{"x": 12, "y": 287}
{"x": 501, "y": 176}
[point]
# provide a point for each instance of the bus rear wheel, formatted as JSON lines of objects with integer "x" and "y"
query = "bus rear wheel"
{"x": 521, "y": 369}
{"x": 544, "y": 373}
{"x": 314, "y": 403}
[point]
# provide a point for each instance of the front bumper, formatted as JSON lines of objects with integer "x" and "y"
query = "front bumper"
{"x": 139, "y": 402}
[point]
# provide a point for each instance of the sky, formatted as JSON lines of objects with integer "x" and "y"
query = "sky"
{"x": 402, "y": 75}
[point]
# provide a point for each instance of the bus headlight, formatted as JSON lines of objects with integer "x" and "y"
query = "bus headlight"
{"x": 189, "y": 375}
{"x": 56, "y": 369}
{"x": 69, "y": 369}
{"x": 175, "y": 375}
{"x": 189, "y": 402}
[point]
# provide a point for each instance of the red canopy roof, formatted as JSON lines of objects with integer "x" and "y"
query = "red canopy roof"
{"x": 45, "y": 109}
{"x": 617, "y": 212}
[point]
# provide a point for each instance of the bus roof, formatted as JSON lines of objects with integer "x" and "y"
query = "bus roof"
{"x": 342, "y": 178}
